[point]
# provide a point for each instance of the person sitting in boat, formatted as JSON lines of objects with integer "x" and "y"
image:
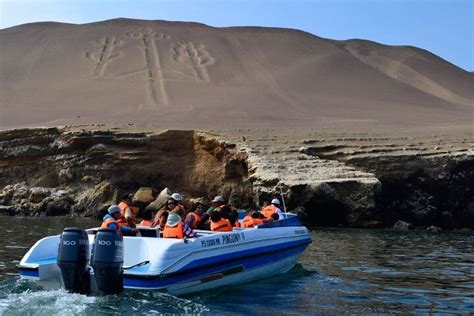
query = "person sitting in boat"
{"x": 196, "y": 218}
{"x": 247, "y": 222}
{"x": 176, "y": 228}
{"x": 218, "y": 204}
{"x": 273, "y": 208}
{"x": 110, "y": 221}
{"x": 162, "y": 214}
{"x": 233, "y": 218}
{"x": 128, "y": 213}
{"x": 147, "y": 220}
{"x": 220, "y": 224}
{"x": 179, "y": 208}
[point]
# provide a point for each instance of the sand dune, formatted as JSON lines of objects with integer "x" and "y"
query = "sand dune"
{"x": 189, "y": 74}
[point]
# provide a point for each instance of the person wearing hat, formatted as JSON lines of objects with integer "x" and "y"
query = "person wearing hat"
{"x": 273, "y": 208}
{"x": 218, "y": 204}
{"x": 176, "y": 228}
{"x": 110, "y": 221}
{"x": 128, "y": 213}
{"x": 179, "y": 207}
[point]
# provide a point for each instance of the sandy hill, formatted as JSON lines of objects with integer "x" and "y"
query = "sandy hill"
{"x": 157, "y": 72}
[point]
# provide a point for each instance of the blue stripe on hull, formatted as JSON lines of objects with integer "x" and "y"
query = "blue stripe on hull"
{"x": 247, "y": 263}
{"x": 232, "y": 256}
{"x": 29, "y": 272}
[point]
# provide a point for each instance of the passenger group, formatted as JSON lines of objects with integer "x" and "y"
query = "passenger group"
{"x": 175, "y": 222}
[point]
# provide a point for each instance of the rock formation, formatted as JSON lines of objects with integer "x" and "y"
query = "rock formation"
{"x": 330, "y": 179}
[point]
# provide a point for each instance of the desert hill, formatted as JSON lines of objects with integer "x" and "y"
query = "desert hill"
{"x": 189, "y": 74}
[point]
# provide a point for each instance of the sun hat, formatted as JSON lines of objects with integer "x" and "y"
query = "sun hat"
{"x": 276, "y": 201}
{"x": 218, "y": 198}
{"x": 113, "y": 209}
{"x": 173, "y": 220}
{"x": 176, "y": 197}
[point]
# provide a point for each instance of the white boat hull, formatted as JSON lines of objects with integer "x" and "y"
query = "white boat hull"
{"x": 186, "y": 266}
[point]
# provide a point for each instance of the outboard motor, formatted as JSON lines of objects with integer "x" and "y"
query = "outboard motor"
{"x": 72, "y": 260}
{"x": 107, "y": 261}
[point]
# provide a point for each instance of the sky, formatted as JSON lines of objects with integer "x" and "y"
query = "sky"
{"x": 444, "y": 27}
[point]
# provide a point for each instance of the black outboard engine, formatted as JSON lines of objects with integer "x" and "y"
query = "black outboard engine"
{"x": 107, "y": 261}
{"x": 72, "y": 260}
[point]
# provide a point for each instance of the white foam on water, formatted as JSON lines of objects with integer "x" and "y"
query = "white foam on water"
{"x": 57, "y": 302}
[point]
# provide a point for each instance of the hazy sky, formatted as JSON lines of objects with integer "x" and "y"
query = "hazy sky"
{"x": 444, "y": 27}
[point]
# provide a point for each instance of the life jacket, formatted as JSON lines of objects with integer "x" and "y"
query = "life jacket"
{"x": 122, "y": 221}
{"x": 269, "y": 210}
{"x": 237, "y": 224}
{"x": 221, "y": 226}
{"x": 257, "y": 221}
{"x": 109, "y": 220}
{"x": 247, "y": 222}
{"x": 146, "y": 223}
{"x": 174, "y": 232}
{"x": 197, "y": 219}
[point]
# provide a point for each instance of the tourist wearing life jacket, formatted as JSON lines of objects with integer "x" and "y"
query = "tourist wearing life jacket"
{"x": 272, "y": 209}
{"x": 179, "y": 208}
{"x": 220, "y": 224}
{"x": 147, "y": 219}
{"x": 195, "y": 217}
{"x": 218, "y": 204}
{"x": 110, "y": 221}
{"x": 128, "y": 213}
{"x": 176, "y": 228}
{"x": 247, "y": 222}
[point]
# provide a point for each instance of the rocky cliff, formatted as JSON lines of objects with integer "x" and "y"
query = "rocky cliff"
{"x": 332, "y": 179}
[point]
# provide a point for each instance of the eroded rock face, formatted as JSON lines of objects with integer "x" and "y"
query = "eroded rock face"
{"x": 357, "y": 182}
{"x": 96, "y": 166}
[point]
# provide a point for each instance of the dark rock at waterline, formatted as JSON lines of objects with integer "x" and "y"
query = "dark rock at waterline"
{"x": 401, "y": 225}
{"x": 433, "y": 229}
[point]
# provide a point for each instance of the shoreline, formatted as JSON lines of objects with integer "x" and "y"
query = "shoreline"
{"x": 341, "y": 176}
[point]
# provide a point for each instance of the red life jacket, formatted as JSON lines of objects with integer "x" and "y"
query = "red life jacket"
{"x": 197, "y": 219}
{"x": 221, "y": 226}
{"x": 247, "y": 222}
{"x": 122, "y": 221}
{"x": 174, "y": 232}
{"x": 106, "y": 223}
{"x": 257, "y": 221}
{"x": 269, "y": 210}
{"x": 146, "y": 223}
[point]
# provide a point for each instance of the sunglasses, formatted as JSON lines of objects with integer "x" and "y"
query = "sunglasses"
{"x": 171, "y": 203}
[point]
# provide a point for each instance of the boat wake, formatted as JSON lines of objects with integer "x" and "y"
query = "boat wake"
{"x": 21, "y": 297}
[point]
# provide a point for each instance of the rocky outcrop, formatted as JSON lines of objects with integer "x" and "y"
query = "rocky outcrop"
{"x": 96, "y": 166}
{"x": 331, "y": 180}
{"x": 366, "y": 179}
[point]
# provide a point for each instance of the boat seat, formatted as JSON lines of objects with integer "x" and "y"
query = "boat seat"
{"x": 149, "y": 232}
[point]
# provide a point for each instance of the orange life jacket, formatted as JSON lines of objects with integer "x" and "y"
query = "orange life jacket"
{"x": 269, "y": 210}
{"x": 174, "y": 232}
{"x": 105, "y": 224}
{"x": 197, "y": 219}
{"x": 257, "y": 221}
{"x": 237, "y": 224}
{"x": 146, "y": 223}
{"x": 221, "y": 226}
{"x": 247, "y": 222}
{"x": 122, "y": 221}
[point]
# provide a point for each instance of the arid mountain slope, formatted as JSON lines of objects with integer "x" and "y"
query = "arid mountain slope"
{"x": 188, "y": 74}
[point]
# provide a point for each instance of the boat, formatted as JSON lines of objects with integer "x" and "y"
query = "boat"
{"x": 100, "y": 261}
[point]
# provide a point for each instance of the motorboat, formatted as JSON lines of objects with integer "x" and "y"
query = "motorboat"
{"x": 101, "y": 261}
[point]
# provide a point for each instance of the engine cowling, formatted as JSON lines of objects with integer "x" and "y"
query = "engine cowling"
{"x": 107, "y": 261}
{"x": 72, "y": 260}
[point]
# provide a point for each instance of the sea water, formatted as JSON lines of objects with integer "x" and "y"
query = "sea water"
{"x": 343, "y": 271}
